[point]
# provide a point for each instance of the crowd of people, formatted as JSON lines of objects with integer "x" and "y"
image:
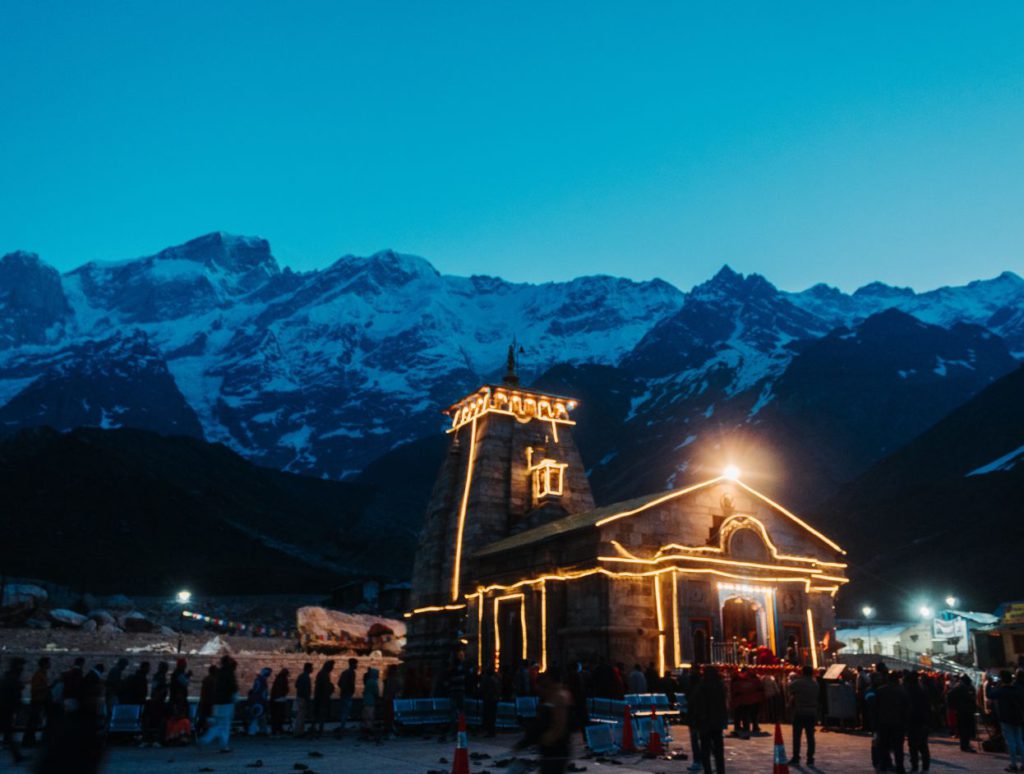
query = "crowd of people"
{"x": 72, "y": 710}
{"x": 899, "y": 709}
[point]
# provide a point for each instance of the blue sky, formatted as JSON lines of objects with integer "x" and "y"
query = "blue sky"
{"x": 808, "y": 142}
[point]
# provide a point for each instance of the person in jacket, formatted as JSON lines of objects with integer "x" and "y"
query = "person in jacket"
{"x": 114, "y": 680}
{"x": 456, "y": 681}
{"x": 279, "y": 702}
{"x": 746, "y": 693}
{"x": 323, "y": 687}
{"x": 156, "y": 708}
{"x": 892, "y": 715}
{"x": 135, "y": 689}
{"x": 371, "y": 695}
{"x": 346, "y": 691}
{"x": 964, "y": 705}
{"x": 490, "y": 691}
{"x": 551, "y": 732}
{"x": 303, "y": 699}
{"x": 803, "y": 698}
{"x": 920, "y": 722}
{"x": 72, "y": 685}
{"x": 94, "y": 691}
{"x": 636, "y": 680}
{"x": 11, "y": 686}
{"x": 39, "y": 701}
{"x": 1008, "y": 704}
{"x": 710, "y": 717}
{"x": 207, "y": 689}
{"x": 224, "y": 695}
{"x": 258, "y": 706}
{"x": 692, "y": 682}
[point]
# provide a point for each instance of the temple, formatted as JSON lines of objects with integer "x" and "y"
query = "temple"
{"x": 515, "y": 561}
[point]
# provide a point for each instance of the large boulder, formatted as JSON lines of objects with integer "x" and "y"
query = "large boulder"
{"x": 330, "y": 631}
{"x": 19, "y": 600}
{"x": 64, "y": 617}
{"x": 102, "y": 617}
{"x": 135, "y": 622}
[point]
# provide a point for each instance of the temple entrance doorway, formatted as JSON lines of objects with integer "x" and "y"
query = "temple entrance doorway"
{"x": 510, "y": 631}
{"x": 747, "y": 614}
{"x": 740, "y": 620}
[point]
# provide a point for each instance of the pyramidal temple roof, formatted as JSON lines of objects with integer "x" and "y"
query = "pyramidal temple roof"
{"x": 623, "y": 509}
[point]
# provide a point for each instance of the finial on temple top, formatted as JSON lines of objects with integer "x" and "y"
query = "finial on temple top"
{"x": 511, "y": 377}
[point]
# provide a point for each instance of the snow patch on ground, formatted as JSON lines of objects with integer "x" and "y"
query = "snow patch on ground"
{"x": 1006, "y": 462}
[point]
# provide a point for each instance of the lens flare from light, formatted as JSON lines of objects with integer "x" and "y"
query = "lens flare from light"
{"x": 731, "y": 472}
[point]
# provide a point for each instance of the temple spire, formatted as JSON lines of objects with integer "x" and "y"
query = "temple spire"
{"x": 511, "y": 377}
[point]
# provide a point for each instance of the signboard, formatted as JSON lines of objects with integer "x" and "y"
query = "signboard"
{"x": 944, "y": 630}
{"x": 1013, "y": 613}
{"x": 834, "y": 672}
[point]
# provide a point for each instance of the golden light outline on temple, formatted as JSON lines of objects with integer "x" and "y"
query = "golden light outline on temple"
{"x": 512, "y": 520}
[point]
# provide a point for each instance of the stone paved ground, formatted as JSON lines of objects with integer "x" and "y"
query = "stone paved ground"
{"x": 837, "y": 754}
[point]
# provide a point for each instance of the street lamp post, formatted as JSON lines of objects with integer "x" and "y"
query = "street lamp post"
{"x": 869, "y": 613}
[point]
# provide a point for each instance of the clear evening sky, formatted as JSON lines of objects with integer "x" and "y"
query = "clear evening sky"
{"x": 808, "y": 142}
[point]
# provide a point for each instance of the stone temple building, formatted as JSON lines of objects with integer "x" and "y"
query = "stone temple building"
{"x": 515, "y": 561}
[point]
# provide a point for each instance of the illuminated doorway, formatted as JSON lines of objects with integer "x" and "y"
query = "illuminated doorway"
{"x": 747, "y": 612}
{"x": 509, "y": 630}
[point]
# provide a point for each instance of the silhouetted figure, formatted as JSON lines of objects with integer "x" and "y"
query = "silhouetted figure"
{"x": 303, "y": 699}
{"x": 322, "y": 690}
{"x": 11, "y": 686}
{"x": 551, "y": 731}
{"x": 224, "y": 696}
{"x": 964, "y": 705}
{"x": 346, "y": 691}
{"x": 803, "y": 695}
{"x": 710, "y": 717}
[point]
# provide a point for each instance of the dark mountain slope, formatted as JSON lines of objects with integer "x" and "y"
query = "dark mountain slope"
{"x": 132, "y": 511}
{"x": 937, "y": 516}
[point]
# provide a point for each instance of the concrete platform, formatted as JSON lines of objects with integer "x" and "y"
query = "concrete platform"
{"x": 837, "y": 754}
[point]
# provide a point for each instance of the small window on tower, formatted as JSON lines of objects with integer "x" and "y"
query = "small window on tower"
{"x": 547, "y": 479}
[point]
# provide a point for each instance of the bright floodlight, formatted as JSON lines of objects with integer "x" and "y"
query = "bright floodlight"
{"x": 868, "y": 611}
{"x": 950, "y": 601}
{"x": 184, "y": 596}
{"x": 925, "y": 611}
{"x": 731, "y": 472}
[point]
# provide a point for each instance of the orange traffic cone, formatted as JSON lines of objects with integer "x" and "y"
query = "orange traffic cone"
{"x": 781, "y": 762}
{"x": 627, "y": 732}
{"x": 461, "y": 763}
{"x": 654, "y": 746}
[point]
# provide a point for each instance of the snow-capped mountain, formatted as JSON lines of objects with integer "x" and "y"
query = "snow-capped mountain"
{"x": 316, "y": 372}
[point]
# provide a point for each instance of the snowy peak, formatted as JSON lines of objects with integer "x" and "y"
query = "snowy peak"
{"x": 729, "y": 286}
{"x": 33, "y": 308}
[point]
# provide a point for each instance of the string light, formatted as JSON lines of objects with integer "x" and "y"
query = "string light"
{"x": 676, "y": 645}
{"x": 522, "y": 405}
{"x": 456, "y": 571}
{"x": 792, "y": 516}
{"x": 814, "y": 641}
{"x": 543, "y": 627}
{"x": 661, "y": 626}
{"x": 433, "y": 609}
{"x": 497, "y": 627}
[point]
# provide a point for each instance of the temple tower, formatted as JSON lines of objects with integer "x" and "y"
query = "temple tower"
{"x": 512, "y": 464}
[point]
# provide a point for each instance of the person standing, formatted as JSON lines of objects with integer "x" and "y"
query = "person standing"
{"x": 39, "y": 701}
{"x": 371, "y": 693}
{"x": 710, "y": 716}
{"x": 691, "y": 691}
{"x": 279, "y": 702}
{"x": 11, "y": 687}
{"x": 892, "y": 713}
{"x": 346, "y": 691}
{"x": 223, "y": 711}
{"x": 490, "y": 691}
{"x": 551, "y": 733}
{"x": 636, "y": 680}
{"x": 156, "y": 708}
{"x": 1008, "y": 701}
{"x": 303, "y": 699}
{"x": 135, "y": 689}
{"x": 71, "y": 682}
{"x": 178, "y": 726}
{"x": 456, "y": 680}
{"x": 964, "y": 705}
{"x": 114, "y": 680}
{"x": 207, "y": 690}
{"x": 803, "y": 698}
{"x": 258, "y": 705}
{"x": 920, "y": 721}
{"x": 322, "y": 690}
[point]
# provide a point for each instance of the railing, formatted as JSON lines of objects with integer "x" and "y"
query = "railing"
{"x": 733, "y": 653}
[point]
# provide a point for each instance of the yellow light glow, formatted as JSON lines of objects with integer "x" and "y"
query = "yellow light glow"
{"x": 661, "y": 626}
{"x": 457, "y": 569}
{"x": 731, "y": 472}
{"x": 479, "y": 632}
{"x": 547, "y": 478}
{"x": 676, "y": 645}
{"x": 770, "y": 612}
{"x": 792, "y": 516}
{"x": 814, "y": 641}
{"x": 433, "y": 609}
{"x": 658, "y": 501}
{"x": 543, "y": 627}
{"x": 522, "y": 405}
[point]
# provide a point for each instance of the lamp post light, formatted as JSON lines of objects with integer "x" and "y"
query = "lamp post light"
{"x": 869, "y": 613}
{"x": 183, "y": 597}
{"x": 951, "y": 602}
